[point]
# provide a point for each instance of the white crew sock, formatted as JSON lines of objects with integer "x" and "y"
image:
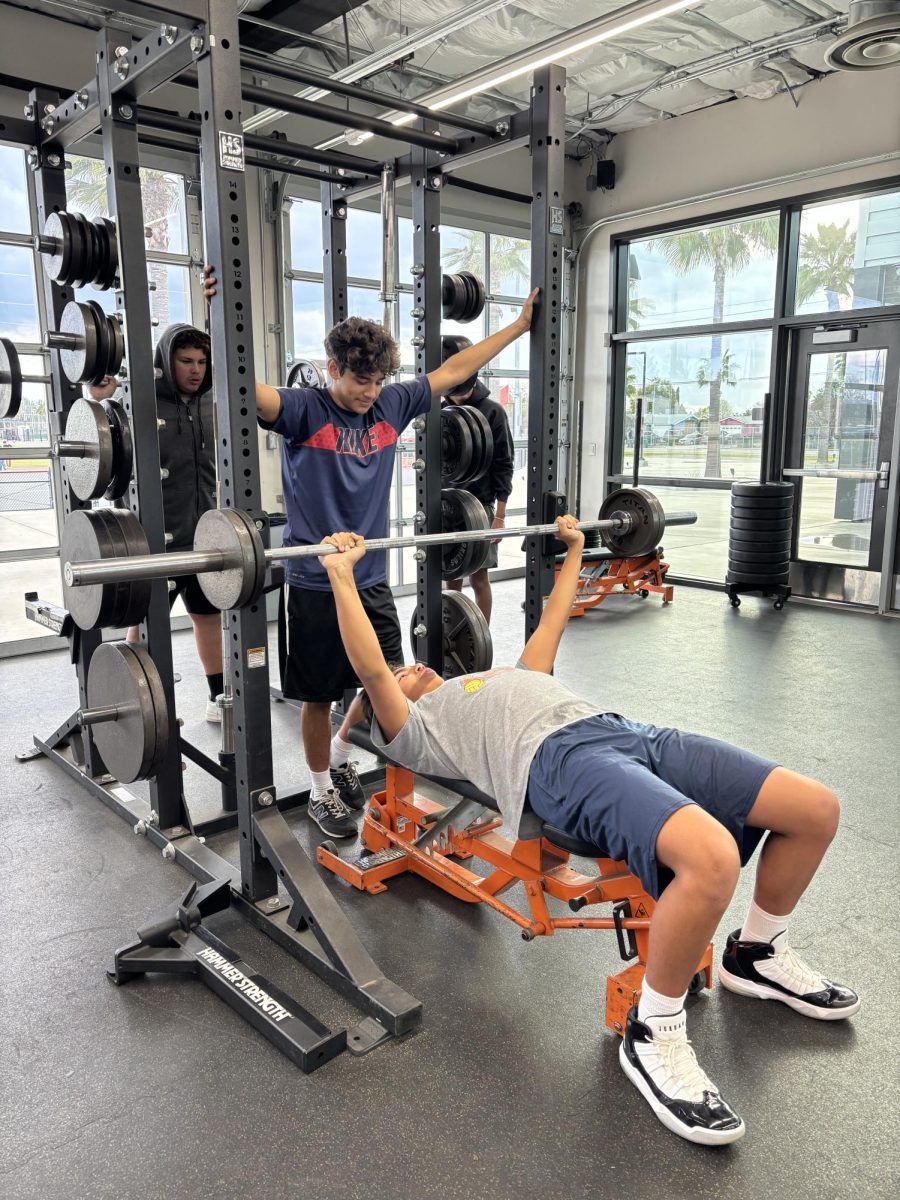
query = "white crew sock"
{"x": 655, "y": 1004}
{"x": 760, "y": 926}
{"x": 340, "y": 751}
{"x": 319, "y": 781}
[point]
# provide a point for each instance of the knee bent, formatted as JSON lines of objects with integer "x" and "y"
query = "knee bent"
{"x": 713, "y": 872}
{"x": 826, "y": 813}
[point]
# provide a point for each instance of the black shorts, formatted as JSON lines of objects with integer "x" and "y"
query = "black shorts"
{"x": 317, "y": 668}
{"x": 188, "y": 587}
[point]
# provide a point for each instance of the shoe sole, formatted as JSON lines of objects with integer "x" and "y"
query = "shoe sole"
{"x": 759, "y": 991}
{"x": 702, "y": 1137}
{"x": 333, "y": 832}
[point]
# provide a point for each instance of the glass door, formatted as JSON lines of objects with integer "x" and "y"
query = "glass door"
{"x": 839, "y": 450}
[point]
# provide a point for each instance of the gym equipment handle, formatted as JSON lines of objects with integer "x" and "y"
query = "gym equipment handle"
{"x": 191, "y": 562}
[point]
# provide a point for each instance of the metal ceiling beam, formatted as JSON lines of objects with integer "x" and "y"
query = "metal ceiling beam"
{"x": 371, "y": 64}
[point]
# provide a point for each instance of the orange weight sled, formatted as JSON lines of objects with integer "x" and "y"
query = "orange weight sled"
{"x": 405, "y": 831}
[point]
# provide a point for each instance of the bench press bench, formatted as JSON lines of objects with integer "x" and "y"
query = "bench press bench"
{"x": 603, "y": 571}
{"x": 405, "y": 831}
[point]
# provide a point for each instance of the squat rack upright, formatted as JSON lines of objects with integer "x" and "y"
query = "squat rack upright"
{"x": 199, "y": 40}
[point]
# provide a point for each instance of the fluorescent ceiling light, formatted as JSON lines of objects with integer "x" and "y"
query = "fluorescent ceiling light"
{"x": 556, "y": 49}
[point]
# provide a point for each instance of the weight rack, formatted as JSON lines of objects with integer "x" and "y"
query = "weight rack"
{"x": 199, "y": 40}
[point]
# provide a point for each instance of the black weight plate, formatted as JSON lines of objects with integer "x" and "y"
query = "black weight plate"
{"x": 10, "y": 379}
{"x": 763, "y": 504}
{"x": 777, "y": 559}
{"x": 476, "y": 515}
{"x": 755, "y": 490}
{"x": 754, "y": 525}
{"x": 104, "y": 343}
{"x": 482, "y": 441}
{"x": 125, "y": 676}
{"x": 448, "y": 294}
{"x": 117, "y": 344}
{"x": 452, "y": 343}
{"x": 89, "y": 476}
{"x": 468, "y": 648}
{"x": 120, "y": 589}
{"x": 98, "y": 265}
{"x": 459, "y": 308}
{"x": 457, "y": 446}
{"x": 757, "y": 571}
{"x": 473, "y": 470}
{"x": 460, "y": 512}
{"x": 648, "y": 522}
{"x": 77, "y": 319}
{"x": 110, "y": 228}
{"x": 56, "y": 262}
{"x": 234, "y": 534}
{"x": 781, "y": 551}
{"x": 85, "y": 538}
{"x": 123, "y": 450}
{"x": 78, "y": 276}
{"x": 90, "y": 248}
{"x": 466, "y": 315}
{"x": 480, "y": 296}
{"x": 134, "y": 600}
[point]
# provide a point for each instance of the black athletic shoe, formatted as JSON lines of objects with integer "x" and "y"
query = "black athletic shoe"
{"x": 331, "y": 815}
{"x": 659, "y": 1060}
{"x": 345, "y": 781}
{"x": 754, "y": 969}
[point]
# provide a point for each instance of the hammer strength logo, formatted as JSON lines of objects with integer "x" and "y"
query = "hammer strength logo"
{"x": 240, "y": 981}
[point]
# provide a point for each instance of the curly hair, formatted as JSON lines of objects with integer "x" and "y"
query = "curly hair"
{"x": 363, "y": 348}
{"x": 190, "y": 339}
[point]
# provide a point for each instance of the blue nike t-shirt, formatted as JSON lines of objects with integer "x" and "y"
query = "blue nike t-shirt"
{"x": 336, "y": 470}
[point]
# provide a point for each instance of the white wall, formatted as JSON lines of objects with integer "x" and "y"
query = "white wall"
{"x": 841, "y": 119}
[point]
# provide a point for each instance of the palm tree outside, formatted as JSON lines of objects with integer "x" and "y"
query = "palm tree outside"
{"x": 728, "y": 250}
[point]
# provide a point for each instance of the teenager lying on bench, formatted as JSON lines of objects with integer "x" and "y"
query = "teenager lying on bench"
{"x": 684, "y": 811}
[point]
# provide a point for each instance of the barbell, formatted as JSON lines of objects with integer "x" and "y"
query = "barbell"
{"x": 230, "y": 560}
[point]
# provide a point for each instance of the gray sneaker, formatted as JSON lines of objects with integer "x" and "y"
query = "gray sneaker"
{"x": 345, "y": 781}
{"x": 331, "y": 814}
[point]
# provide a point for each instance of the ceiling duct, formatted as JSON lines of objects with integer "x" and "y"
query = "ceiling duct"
{"x": 871, "y": 39}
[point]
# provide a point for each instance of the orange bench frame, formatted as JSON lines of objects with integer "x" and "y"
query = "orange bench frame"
{"x": 640, "y": 575}
{"x": 394, "y": 835}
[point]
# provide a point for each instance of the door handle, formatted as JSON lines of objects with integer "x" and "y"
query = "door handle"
{"x": 884, "y": 474}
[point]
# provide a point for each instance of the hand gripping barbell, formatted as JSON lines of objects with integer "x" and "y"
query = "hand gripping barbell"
{"x": 230, "y": 560}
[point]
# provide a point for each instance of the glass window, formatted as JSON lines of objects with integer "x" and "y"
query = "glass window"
{"x": 849, "y": 254}
{"x": 462, "y": 250}
{"x": 40, "y": 575}
{"x": 515, "y": 356}
{"x": 162, "y": 195}
{"x": 13, "y": 193}
{"x": 19, "y": 319}
{"x": 171, "y": 302}
{"x": 306, "y": 235}
{"x": 364, "y": 243}
{"x": 309, "y": 320}
{"x": 29, "y": 427}
{"x": 697, "y": 551}
{"x": 364, "y": 302}
{"x": 704, "y": 276}
{"x": 691, "y": 386}
{"x": 404, "y": 250}
{"x": 510, "y": 265}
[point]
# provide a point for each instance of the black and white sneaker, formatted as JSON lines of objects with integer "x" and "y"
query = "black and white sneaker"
{"x": 659, "y": 1060}
{"x": 331, "y": 814}
{"x": 345, "y": 781}
{"x": 755, "y": 969}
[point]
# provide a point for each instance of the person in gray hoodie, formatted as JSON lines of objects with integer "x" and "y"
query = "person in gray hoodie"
{"x": 492, "y": 489}
{"x": 187, "y": 452}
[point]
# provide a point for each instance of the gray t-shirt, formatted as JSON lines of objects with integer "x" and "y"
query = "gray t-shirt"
{"x": 486, "y": 728}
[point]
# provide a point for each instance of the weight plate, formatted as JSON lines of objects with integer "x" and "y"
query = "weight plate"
{"x": 648, "y": 522}
{"x": 119, "y": 589}
{"x": 123, "y": 450}
{"x": 113, "y": 252}
{"x": 10, "y": 379}
{"x": 460, "y": 512}
{"x": 89, "y": 475}
{"x": 778, "y": 558}
{"x": 98, "y": 260}
{"x": 451, "y": 344}
{"x": 469, "y": 302}
{"x": 76, "y": 320}
{"x": 466, "y": 637}
{"x": 456, "y": 445}
{"x": 304, "y": 374}
{"x": 56, "y": 262}
{"x": 234, "y": 534}
{"x": 754, "y": 490}
{"x": 481, "y": 461}
{"x": 753, "y": 525}
{"x": 104, "y": 343}
{"x": 473, "y": 470}
{"x": 448, "y": 296}
{"x": 782, "y": 551}
{"x": 763, "y": 570}
{"x": 132, "y": 746}
{"x": 459, "y": 298}
{"x": 117, "y": 344}
{"x": 762, "y": 504}
{"x": 754, "y": 578}
{"x": 133, "y": 601}
{"x": 477, "y": 517}
{"x": 85, "y": 538}
{"x": 78, "y": 267}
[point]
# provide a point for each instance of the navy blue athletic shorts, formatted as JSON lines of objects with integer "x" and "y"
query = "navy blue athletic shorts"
{"x": 614, "y": 783}
{"x": 317, "y": 668}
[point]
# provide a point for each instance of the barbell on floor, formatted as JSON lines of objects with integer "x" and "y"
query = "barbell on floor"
{"x": 230, "y": 560}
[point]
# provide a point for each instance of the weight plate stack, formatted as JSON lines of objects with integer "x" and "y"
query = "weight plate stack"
{"x": 759, "y": 544}
{"x": 467, "y": 643}
{"x": 462, "y": 513}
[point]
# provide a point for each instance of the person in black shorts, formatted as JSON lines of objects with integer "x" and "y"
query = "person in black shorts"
{"x": 338, "y": 450}
{"x": 685, "y": 812}
{"x": 187, "y": 453}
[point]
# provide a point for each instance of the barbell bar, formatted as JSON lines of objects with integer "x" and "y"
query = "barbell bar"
{"x": 198, "y": 562}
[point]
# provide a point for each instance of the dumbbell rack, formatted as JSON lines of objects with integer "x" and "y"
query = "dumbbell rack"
{"x": 302, "y": 917}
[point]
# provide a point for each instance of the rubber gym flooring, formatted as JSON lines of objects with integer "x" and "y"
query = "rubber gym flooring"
{"x": 512, "y": 1087}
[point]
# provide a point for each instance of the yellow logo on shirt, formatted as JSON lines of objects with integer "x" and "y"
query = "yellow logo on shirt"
{"x": 474, "y": 685}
